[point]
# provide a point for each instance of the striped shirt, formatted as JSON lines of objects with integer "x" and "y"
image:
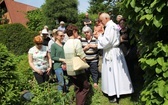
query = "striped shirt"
{"x": 91, "y": 53}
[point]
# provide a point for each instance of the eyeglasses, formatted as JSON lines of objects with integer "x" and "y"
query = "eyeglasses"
{"x": 39, "y": 43}
{"x": 62, "y": 35}
{"x": 44, "y": 34}
{"x": 86, "y": 32}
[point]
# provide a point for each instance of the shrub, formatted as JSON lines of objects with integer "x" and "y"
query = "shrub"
{"x": 8, "y": 77}
{"x": 16, "y": 37}
{"x": 24, "y": 73}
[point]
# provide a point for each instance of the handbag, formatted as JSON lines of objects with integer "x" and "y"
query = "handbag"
{"x": 77, "y": 63}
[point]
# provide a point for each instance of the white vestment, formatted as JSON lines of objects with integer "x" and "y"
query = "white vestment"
{"x": 115, "y": 75}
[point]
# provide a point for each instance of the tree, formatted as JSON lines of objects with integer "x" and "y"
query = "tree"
{"x": 55, "y": 11}
{"x": 148, "y": 20}
{"x": 8, "y": 77}
{"x": 109, "y": 6}
{"x": 97, "y": 6}
{"x": 36, "y": 20}
{"x": 17, "y": 38}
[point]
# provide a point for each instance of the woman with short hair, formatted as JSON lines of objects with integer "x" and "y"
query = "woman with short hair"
{"x": 72, "y": 48}
{"x": 39, "y": 60}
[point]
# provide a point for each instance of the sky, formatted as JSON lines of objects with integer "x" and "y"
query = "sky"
{"x": 83, "y": 4}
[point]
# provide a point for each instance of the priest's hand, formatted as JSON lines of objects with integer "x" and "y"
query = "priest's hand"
{"x": 97, "y": 34}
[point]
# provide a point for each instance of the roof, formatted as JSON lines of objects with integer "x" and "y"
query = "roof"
{"x": 17, "y": 11}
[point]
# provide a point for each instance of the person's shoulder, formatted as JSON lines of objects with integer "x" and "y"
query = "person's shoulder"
{"x": 51, "y": 40}
{"x": 112, "y": 24}
{"x": 44, "y": 47}
{"x": 54, "y": 44}
{"x": 77, "y": 40}
{"x": 31, "y": 49}
{"x": 83, "y": 38}
{"x": 48, "y": 38}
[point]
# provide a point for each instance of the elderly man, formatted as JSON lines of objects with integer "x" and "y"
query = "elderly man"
{"x": 115, "y": 76}
{"x": 62, "y": 26}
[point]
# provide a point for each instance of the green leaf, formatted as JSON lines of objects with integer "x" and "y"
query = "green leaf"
{"x": 147, "y": 22}
{"x": 128, "y": 2}
{"x": 132, "y": 3}
{"x": 141, "y": 28}
{"x": 149, "y": 16}
{"x": 157, "y": 22}
{"x": 148, "y": 11}
{"x": 160, "y": 60}
{"x": 165, "y": 66}
{"x": 151, "y": 62}
{"x": 166, "y": 102}
{"x": 154, "y": 3}
{"x": 142, "y": 17}
{"x": 161, "y": 91}
{"x": 137, "y": 9}
{"x": 165, "y": 74}
{"x": 165, "y": 49}
{"x": 158, "y": 71}
{"x": 159, "y": 8}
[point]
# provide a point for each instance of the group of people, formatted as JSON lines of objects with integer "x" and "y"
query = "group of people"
{"x": 109, "y": 40}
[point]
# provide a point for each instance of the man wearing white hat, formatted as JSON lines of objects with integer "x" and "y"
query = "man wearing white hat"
{"x": 46, "y": 39}
{"x": 61, "y": 27}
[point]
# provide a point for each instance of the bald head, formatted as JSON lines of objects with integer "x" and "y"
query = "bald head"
{"x": 104, "y": 18}
{"x": 105, "y": 15}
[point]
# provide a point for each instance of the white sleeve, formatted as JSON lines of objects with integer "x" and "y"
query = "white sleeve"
{"x": 109, "y": 39}
{"x": 49, "y": 46}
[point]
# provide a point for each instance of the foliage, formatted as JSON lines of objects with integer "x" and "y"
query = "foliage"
{"x": 97, "y": 6}
{"x": 47, "y": 94}
{"x": 17, "y": 38}
{"x": 55, "y": 11}
{"x": 36, "y": 20}
{"x": 24, "y": 73}
{"x": 8, "y": 78}
{"x": 155, "y": 64}
{"x": 148, "y": 20}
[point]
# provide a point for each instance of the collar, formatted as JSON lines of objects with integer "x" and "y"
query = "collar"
{"x": 108, "y": 23}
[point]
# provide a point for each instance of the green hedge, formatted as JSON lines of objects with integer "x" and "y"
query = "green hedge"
{"x": 8, "y": 77}
{"x": 16, "y": 37}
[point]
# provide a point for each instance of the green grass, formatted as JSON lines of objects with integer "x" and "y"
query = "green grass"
{"x": 96, "y": 97}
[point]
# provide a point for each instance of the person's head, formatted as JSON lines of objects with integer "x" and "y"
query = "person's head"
{"x": 122, "y": 23}
{"x": 97, "y": 22}
{"x": 38, "y": 41}
{"x": 44, "y": 33}
{"x": 87, "y": 31}
{"x": 119, "y": 17}
{"x": 104, "y": 18}
{"x": 62, "y": 23}
{"x": 54, "y": 32}
{"x": 60, "y": 35}
{"x": 72, "y": 30}
{"x": 46, "y": 27}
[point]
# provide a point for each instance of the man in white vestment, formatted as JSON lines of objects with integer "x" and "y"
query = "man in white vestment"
{"x": 115, "y": 75}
